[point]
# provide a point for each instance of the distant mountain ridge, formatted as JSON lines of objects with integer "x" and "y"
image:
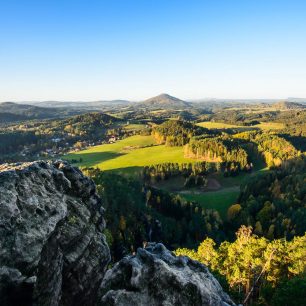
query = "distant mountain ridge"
{"x": 297, "y": 100}
{"x": 14, "y": 112}
{"x": 25, "y": 109}
{"x": 11, "y": 112}
{"x": 285, "y": 105}
{"x": 162, "y": 99}
{"x": 9, "y": 117}
{"x": 165, "y": 101}
{"x": 82, "y": 104}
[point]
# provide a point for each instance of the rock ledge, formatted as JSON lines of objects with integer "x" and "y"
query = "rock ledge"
{"x": 155, "y": 276}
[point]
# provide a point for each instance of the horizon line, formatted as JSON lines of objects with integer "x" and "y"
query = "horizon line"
{"x": 136, "y": 101}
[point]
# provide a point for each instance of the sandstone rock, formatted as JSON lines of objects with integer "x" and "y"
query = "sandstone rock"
{"x": 155, "y": 276}
{"x": 52, "y": 250}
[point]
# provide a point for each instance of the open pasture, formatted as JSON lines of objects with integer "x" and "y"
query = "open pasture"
{"x": 262, "y": 125}
{"x": 128, "y": 155}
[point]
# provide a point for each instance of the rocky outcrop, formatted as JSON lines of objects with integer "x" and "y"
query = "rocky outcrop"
{"x": 52, "y": 250}
{"x": 155, "y": 276}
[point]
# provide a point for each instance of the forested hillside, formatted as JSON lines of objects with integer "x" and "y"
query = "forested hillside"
{"x": 274, "y": 203}
{"x": 176, "y": 132}
{"x": 35, "y": 136}
{"x": 136, "y": 213}
{"x": 217, "y": 150}
{"x": 275, "y": 149}
{"x": 10, "y": 112}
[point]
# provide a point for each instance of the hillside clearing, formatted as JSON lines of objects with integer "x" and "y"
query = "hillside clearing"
{"x": 116, "y": 156}
{"x": 261, "y": 125}
{"x": 220, "y": 200}
{"x": 218, "y": 125}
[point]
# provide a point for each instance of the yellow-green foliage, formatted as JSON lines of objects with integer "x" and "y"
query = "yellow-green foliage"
{"x": 217, "y": 150}
{"x": 249, "y": 257}
{"x": 269, "y": 126}
{"x": 176, "y": 132}
{"x": 218, "y": 125}
{"x": 233, "y": 211}
{"x": 275, "y": 149}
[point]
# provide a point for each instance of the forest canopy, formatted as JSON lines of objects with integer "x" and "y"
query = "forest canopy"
{"x": 177, "y": 132}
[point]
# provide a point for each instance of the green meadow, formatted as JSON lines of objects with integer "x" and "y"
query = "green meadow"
{"x": 128, "y": 155}
{"x": 220, "y": 200}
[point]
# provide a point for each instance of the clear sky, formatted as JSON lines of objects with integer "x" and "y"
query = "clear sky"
{"x": 129, "y": 49}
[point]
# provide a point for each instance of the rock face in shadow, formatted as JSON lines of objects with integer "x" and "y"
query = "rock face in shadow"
{"x": 155, "y": 276}
{"x": 52, "y": 250}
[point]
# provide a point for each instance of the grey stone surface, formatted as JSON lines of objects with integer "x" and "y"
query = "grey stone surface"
{"x": 155, "y": 276}
{"x": 52, "y": 250}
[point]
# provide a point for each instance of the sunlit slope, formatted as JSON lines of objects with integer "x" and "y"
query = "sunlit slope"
{"x": 261, "y": 125}
{"x": 128, "y": 154}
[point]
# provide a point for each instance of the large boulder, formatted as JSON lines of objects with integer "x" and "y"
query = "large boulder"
{"x": 52, "y": 250}
{"x": 155, "y": 277}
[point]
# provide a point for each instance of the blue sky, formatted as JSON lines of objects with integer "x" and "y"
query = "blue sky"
{"x": 129, "y": 49}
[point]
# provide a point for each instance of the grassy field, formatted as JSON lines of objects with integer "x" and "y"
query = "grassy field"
{"x": 217, "y": 125}
{"x": 262, "y": 126}
{"x": 270, "y": 126}
{"x": 134, "y": 127}
{"x": 128, "y": 155}
{"x": 220, "y": 200}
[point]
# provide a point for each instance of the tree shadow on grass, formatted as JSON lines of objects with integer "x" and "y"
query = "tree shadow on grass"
{"x": 95, "y": 158}
{"x": 134, "y": 171}
{"x": 91, "y": 159}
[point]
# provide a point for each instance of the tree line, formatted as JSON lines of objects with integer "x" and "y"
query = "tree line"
{"x": 177, "y": 132}
{"x": 190, "y": 171}
{"x": 217, "y": 150}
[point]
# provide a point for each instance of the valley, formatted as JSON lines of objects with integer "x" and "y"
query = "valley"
{"x": 177, "y": 172}
{"x": 130, "y": 155}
